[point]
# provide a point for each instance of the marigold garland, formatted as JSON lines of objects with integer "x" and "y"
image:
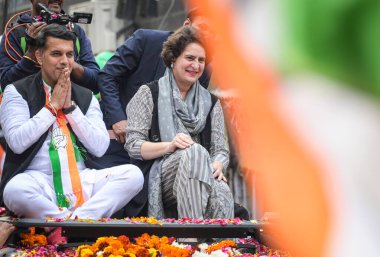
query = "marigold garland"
{"x": 44, "y": 251}
{"x": 32, "y": 239}
{"x": 152, "y": 220}
{"x": 221, "y": 245}
{"x": 147, "y": 220}
{"x": 151, "y": 246}
{"x": 145, "y": 245}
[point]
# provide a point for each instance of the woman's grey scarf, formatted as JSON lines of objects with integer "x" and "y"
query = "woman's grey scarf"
{"x": 176, "y": 115}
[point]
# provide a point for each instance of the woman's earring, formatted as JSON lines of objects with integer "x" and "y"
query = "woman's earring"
{"x": 171, "y": 65}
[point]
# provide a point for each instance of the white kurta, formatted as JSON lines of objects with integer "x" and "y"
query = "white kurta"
{"x": 31, "y": 193}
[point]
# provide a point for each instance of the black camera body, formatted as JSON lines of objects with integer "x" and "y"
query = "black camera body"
{"x": 48, "y": 16}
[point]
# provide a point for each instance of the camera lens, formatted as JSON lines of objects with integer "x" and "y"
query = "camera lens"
{"x": 44, "y": 15}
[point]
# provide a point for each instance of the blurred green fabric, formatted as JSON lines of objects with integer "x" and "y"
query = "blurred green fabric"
{"x": 102, "y": 58}
{"x": 339, "y": 38}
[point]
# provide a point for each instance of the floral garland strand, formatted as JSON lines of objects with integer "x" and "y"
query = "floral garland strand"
{"x": 152, "y": 220}
{"x": 153, "y": 246}
{"x": 145, "y": 246}
{"x": 44, "y": 251}
{"x": 35, "y": 245}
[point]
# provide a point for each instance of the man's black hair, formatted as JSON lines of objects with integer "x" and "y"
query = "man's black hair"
{"x": 56, "y": 31}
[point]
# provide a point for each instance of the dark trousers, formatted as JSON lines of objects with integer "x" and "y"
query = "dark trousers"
{"x": 115, "y": 155}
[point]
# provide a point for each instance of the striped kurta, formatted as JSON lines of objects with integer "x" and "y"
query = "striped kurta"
{"x": 186, "y": 182}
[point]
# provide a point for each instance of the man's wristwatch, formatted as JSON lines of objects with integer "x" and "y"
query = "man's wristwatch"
{"x": 70, "y": 109}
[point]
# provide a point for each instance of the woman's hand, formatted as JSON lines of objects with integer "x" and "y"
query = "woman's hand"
{"x": 217, "y": 169}
{"x": 180, "y": 141}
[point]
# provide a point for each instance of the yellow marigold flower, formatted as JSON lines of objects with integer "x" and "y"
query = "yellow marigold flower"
{"x": 108, "y": 249}
{"x": 86, "y": 252}
{"x": 152, "y": 252}
{"x": 121, "y": 251}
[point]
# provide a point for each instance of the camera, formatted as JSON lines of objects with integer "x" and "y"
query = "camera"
{"x": 48, "y": 16}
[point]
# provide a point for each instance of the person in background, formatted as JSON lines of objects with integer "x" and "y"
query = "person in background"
{"x": 17, "y": 55}
{"x": 176, "y": 131}
{"x": 53, "y": 127}
{"x": 101, "y": 59}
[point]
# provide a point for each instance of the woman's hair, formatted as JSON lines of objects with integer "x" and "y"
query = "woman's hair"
{"x": 177, "y": 43}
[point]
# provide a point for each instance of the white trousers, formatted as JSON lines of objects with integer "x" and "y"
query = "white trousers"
{"x": 31, "y": 194}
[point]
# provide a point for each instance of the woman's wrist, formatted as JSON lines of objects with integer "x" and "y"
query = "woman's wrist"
{"x": 170, "y": 148}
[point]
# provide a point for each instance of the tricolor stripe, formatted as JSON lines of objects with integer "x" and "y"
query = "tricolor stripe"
{"x": 57, "y": 178}
{"x": 64, "y": 155}
{"x": 71, "y": 161}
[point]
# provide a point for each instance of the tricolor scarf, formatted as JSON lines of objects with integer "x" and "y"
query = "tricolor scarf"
{"x": 64, "y": 154}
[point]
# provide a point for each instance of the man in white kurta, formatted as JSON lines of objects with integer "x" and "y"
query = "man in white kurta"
{"x": 50, "y": 122}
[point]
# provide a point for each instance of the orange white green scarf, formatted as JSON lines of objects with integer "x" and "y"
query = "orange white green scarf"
{"x": 64, "y": 154}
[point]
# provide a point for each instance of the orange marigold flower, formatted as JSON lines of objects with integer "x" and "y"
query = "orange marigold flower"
{"x": 116, "y": 244}
{"x": 129, "y": 255}
{"x": 31, "y": 239}
{"x": 134, "y": 249}
{"x": 164, "y": 240}
{"x": 148, "y": 220}
{"x": 220, "y": 245}
{"x": 146, "y": 246}
{"x": 124, "y": 240}
{"x": 142, "y": 252}
{"x": 172, "y": 251}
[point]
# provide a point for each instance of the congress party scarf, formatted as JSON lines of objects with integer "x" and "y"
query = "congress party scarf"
{"x": 64, "y": 154}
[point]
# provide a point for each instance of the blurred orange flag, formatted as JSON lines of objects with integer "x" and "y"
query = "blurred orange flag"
{"x": 289, "y": 177}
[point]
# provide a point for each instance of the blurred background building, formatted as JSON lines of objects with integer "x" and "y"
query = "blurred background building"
{"x": 113, "y": 20}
